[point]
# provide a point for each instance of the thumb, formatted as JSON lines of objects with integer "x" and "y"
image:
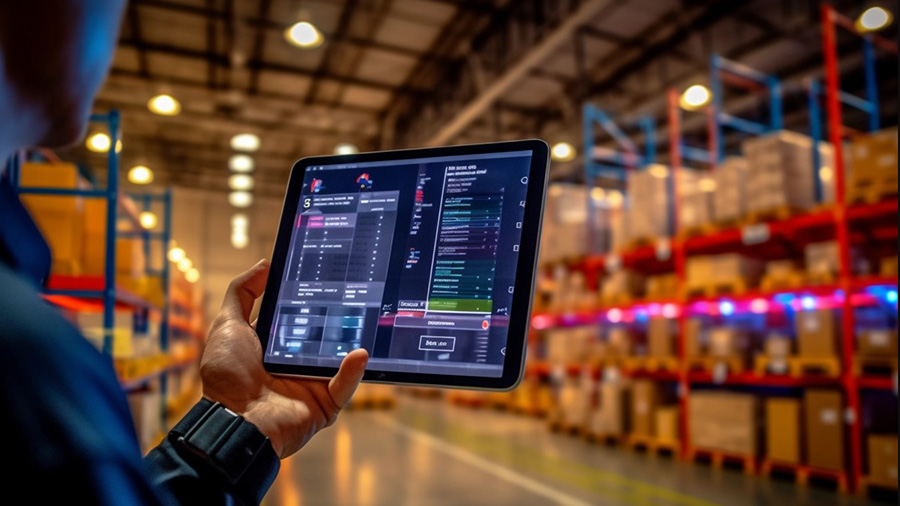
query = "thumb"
{"x": 344, "y": 383}
{"x": 244, "y": 290}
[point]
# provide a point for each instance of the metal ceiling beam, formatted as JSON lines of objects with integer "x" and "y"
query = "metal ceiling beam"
{"x": 343, "y": 26}
{"x": 260, "y": 65}
{"x": 134, "y": 26}
{"x": 266, "y": 25}
{"x": 560, "y": 36}
{"x": 259, "y": 43}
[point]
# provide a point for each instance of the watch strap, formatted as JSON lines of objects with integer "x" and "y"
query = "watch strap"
{"x": 222, "y": 439}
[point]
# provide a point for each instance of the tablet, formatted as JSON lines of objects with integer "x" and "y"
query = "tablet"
{"x": 424, "y": 257}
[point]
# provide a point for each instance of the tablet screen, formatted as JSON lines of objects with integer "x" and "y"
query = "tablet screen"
{"x": 414, "y": 260}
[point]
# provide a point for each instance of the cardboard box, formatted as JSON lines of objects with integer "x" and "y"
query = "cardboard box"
{"x": 622, "y": 282}
{"x": 783, "y": 430}
{"x": 695, "y": 191}
{"x": 724, "y": 421}
{"x": 778, "y": 346}
{"x": 619, "y": 342}
{"x": 666, "y": 429}
{"x": 564, "y": 234}
{"x": 780, "y": 172}
{"x": 648, "y": 186}
{"x": 52, "y": 175}
{"x": 728, "y": 199}
{"x": 726, "y": 342}
{"x": 703, "y": 271}
{"x": 693, "y": 338}
{"x": 883, "y": 459}
{"x": 874, "y": 157}
{"x": 824, "y": 429}
{"x": 664, "y": 286}
{"x": 660, "y": 337}
{"x": 816, "y": 333}
{"x": 878, "y": 343}
{"x": 611, "y": 417}
{"x": 643, "y": 407}
{"x": 823, "y": 258}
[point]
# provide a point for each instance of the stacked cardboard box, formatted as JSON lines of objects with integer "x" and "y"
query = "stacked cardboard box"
{"x": 877, "y": 343}
{"x": 576, "y": 400}
{"x": 666, "y": 429}
{"x": 823, "y": 259}
{"x": 643, "y": 407}
{"x": 883, "y": 460}
{"x": 783, "y": 430}
{"x": 663, "y": 286}
{"x": 816, "y": 333}
{"x": 611, "y": 416}
{"x": 728, "y": 199}
{"x": 694, "y": 338}
{"x": 824, "y": 429}
{"x": 569, "y": 345}
{"x": 564, "y": 234}
{"x": 780, "y": 172}
{"x": 727, "y": 342}
{"x": 58, "y": 218}
{"x": 731, "y": 268}
{"x": 660, "y": 337}
{"x": 695, "y": 191}
{"x": 620, "y": 342}
{"x": 622, "y": 283}
{"x": 724, "y": 421}
{"x": 648, "y": 211}
{"x": 873, "y": 165}
{"x": 778, "y": 349}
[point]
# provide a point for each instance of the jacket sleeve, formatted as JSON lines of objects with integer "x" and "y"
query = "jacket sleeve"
{"x": 193, "y": 481}
{"x": 68, "y": 428}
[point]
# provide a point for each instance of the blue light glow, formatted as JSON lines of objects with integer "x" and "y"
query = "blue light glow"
{"x": 891, "y": 296}
{"x": 726, "y": 307}
{"x": 784, "y": 298}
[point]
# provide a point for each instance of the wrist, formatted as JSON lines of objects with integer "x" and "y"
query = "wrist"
{"x": 256, "y": 415}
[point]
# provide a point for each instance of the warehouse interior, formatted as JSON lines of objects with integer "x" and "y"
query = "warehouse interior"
{"x": 715, "y": 311}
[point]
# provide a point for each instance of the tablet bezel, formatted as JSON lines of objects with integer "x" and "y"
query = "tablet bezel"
{"x": 520, "y": 311}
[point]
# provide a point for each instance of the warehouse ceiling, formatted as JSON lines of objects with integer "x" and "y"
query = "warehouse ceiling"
{"x": 402, "y": 73}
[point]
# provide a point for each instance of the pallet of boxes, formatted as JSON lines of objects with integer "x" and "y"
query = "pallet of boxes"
{"x": 872, "y": 167}
{"x": 648, "y": 223}
{"x": 724, "y": 427}
{"x": 805, "y": 437}
{"x": 779, "y": 179}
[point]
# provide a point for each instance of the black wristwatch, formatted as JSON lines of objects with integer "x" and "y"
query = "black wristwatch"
{"x": 222, "y": 439}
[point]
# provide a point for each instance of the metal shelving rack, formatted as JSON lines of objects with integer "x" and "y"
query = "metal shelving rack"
{"x": 832, "y": 20}
{"x": 847, "y": 294}
{"x": 90, "y": 293}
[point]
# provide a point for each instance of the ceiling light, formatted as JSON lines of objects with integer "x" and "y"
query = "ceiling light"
{"x": 239, "y": 240}
{"x": 615, "y": 198}
{"x": 164, "y": 105}
{"x": 245, "y": 142}
{"x": 192, "y": 275}
{"x": 873, "y": 19}
{"x": 148, "y": 220}
{"x": 185, "y": 264}
{"x": 140, "y": 174}
{"x": 99, "y": 143}
{"x": 562, "y": 152}
{"x": 345, "y": 148}
{"x": 597, "y": 193}
{"x": 241, "y": 163}
{"x": 239, "y": 222}
{"x": 304, "y": 34}
{"x": 240, "y": 199}
{"x": 240, "y": 182}
{"x": 176, "y": 254}
{"x": 695, "y": 97}
{"x": 826, "y": 173}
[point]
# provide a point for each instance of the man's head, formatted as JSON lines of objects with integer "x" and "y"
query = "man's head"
{"x": 54, "y": 55}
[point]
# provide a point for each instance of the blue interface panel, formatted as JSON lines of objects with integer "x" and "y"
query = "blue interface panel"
{"x": 414, "y": 260}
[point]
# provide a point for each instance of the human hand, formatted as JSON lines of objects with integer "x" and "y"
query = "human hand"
{"x": 289, "y": 411}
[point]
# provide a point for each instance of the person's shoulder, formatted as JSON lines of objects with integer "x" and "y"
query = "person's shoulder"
{"x": 29, "y": 324}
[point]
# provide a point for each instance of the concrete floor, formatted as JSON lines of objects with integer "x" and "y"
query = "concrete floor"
{"x": 430, "y": 453}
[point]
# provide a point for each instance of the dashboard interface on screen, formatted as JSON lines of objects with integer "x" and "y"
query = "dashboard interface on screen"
{"x": 413, "y": 260}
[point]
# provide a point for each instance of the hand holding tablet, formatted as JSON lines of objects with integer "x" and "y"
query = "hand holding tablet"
{"x": 423, "y": 257}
